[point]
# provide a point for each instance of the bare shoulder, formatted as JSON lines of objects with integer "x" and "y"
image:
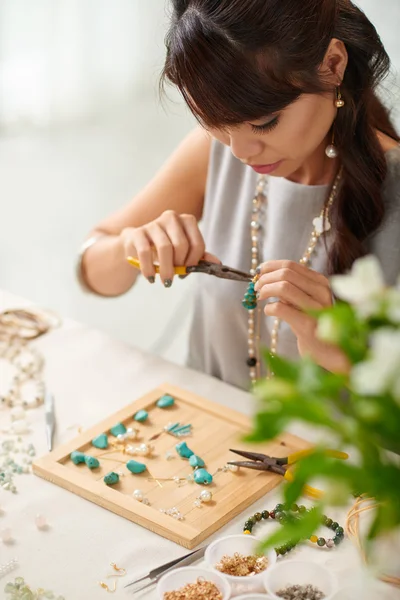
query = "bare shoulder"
{"x": 387, "y": 143}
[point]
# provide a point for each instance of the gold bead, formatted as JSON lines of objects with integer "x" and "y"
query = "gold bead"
{"x": 247, "y": 532}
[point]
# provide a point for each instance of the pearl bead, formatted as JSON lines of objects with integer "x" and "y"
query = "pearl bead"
{"x": 19, "y": 427}
{"x": 131, "y": 434}
{"x": 206, "y": 496}
{"x": 331, "y": 151}
{"x": 6, "y": 536}
{"x": 41, "y": 522}
{"x": 233, "y": 468}
{"x": 138, "y": 495}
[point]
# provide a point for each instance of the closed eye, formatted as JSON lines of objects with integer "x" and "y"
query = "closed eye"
{"x": 266, "y": 126}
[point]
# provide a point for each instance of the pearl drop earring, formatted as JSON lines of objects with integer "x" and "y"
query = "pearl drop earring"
{"x": 331, "y": 151}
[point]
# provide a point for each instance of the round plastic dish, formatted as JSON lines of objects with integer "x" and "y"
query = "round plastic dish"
{"x": 245, "y": 545}
{"x": 297, "y": 572}
{"x": 178, "y": 578}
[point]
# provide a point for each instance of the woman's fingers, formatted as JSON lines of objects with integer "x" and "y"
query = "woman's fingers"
{"x": 277, "y": 265}
{"x": 196, "y": 246}
{"x": 137, "y": 243}
{"x": 301, "y": 324}
{"x": 288, "y": 278}
{"x": 290, "y": 294}
{"x": 164, "y": 250}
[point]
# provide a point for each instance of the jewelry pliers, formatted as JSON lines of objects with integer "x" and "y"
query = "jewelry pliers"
{"x": 262, "y": 462}
{"x": 204, "y": 266}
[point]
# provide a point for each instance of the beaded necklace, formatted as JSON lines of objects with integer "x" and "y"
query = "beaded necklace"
{"x": 321, "y": 225}
{"x": 282, "y": 515}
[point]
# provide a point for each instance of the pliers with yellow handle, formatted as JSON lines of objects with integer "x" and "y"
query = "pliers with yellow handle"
{"x": 262, "y": 462}
{"x": 204, "y": 266}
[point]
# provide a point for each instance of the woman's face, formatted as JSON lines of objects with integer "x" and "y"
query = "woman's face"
{"x": 281, "y": 143}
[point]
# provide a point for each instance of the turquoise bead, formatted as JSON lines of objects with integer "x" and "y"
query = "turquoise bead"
{"x": 118, "y": 429}
{"x": 183, "y": 450}
{"x": 166, "y": 401}
{"x": 195, "y": 461}
{"x": 77, "y": 457}
{"x": 91, "y": 462}
{"x": 202, "y": 477}
{"x": 111, "y": 478}
{"x": 135, "y": 467}
{"x": 141, "y": 416}
{"x": 101, "y": 441}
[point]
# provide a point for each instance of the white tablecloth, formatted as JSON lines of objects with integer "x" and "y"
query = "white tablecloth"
{"x": 91, "y": 376}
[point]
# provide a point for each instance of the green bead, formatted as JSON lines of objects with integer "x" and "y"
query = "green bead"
{"x": 265, "y": 514}
{"x": 111, "y": 478}
{"x": 302, "y": 509}
{"x": 279, "y": 508}
{"x": 183, "y": 450}
{"x": 101, "y": 441}
{"x": 141, "y": 416}
{"x": 166, "y": 401}
{"x": 321, "y": 541}
{"x": 334, "y": 526}
{"x": 258, "y": 516}
{"x": 248, "y": 525}
{"x": 77, "y": 457}
{"x": 135, "y": 467}
{"x": 329, "y": 522}
{"x": 251, "y": 520}
{"x": 202, "y": 477}
{"x": 337, "y": 539}
{"x": 196, "y": 462}
{"x": 339, "y": 531}
{"x": 118, "y": 429}
{"x": 91, "y": 462}
{"x": 295, "y": 508}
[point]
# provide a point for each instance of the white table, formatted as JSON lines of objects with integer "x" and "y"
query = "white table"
{"x": 91, "y": 376}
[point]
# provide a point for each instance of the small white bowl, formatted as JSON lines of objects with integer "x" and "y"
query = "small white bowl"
{"x": 178, "y": 578}
{"x": 245, "y": 545}
{"x": 253, "y": 597}
{"x": 297, "y": 572}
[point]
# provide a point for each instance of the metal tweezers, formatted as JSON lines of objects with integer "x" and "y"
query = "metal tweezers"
{"x": 154, "y": 575}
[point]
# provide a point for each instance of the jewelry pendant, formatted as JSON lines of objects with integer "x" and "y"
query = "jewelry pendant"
{"x": 321, "y": 225}
{"x": 250, "y": 298}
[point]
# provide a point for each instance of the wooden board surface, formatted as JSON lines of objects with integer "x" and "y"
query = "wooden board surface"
{"x": 215, "y": 430}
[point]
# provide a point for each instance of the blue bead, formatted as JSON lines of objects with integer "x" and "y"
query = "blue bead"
{"x": 135, "y": 467}
{"x": 101, "y": 441}
{"x": 166, "y": 401}
{"x": 195, "y": 461}
{"x": 92, "y": 462}
{"x": 118, "y": 429}
{"x": 202, "y": 477}
{"x": 111, "y": 478}
{"x": 141, "y": 416}
{"x": 183, "y": 450}
{"x": 77, "y": 457}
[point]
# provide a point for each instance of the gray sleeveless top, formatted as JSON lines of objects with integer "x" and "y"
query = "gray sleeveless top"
{"x": 218, "y": 338}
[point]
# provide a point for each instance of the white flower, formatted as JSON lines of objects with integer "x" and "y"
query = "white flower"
{"x": 364, "y": 283}
{"x": 327, "y": 329}
{"x": 393, "y": 305}
{"x": 381, "y": 372}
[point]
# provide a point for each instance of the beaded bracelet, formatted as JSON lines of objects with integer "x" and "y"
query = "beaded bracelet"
{"x": 282, "y": 514}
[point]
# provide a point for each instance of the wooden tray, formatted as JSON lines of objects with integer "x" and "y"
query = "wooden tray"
{"x": 215, "y": 430}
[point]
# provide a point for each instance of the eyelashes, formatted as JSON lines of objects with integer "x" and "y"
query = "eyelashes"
{"x": 266, "y": 127}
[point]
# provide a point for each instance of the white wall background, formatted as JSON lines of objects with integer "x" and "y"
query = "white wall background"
{"x": 82, "y": 132}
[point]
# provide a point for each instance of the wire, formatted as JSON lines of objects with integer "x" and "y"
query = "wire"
{"x": 361, "y": 505}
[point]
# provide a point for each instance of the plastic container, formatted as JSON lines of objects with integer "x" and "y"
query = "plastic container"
{"x": 296, "y": 572}
{"x": 180, "y": 577}
{"x": 245, "y": 545}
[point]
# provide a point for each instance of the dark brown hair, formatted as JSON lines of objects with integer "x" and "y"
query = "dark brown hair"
{"x": 239, "y": 60}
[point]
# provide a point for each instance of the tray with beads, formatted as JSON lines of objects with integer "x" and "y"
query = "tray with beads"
{"x": 164, "y": 497}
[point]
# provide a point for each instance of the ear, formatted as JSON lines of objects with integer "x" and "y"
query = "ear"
{"x": 335, "y": 61}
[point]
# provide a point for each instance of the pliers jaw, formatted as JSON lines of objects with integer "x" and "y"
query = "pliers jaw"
{"x": 220, "y": 271}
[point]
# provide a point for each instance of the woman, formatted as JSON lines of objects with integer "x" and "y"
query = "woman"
{"x": 295, "y": 165}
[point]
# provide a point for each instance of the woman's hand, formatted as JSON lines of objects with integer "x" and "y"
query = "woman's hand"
{"x": 172, "y": 239}
{"x": 298, "y": 289}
